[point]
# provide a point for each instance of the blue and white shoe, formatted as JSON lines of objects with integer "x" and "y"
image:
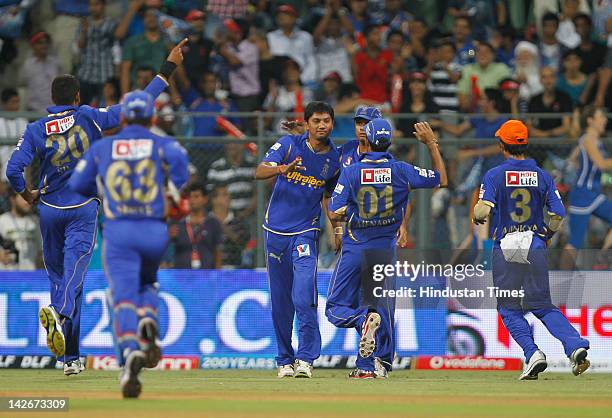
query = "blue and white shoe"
{"x": 128, "y": 380}
{"x": 579, "y": 361}
{"x": 49, "y": 319}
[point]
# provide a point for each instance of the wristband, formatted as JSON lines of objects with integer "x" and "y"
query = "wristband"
{"x": 167, "y": 68}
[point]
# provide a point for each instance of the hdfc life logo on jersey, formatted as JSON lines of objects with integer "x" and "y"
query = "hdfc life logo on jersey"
{"x": 375, "y": 176}
{"x": 521, "y": 179}
{"x": 59, "y": 126}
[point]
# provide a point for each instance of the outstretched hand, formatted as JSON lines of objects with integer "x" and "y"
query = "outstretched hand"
{"x": 424, "y": 133}
{"x": 293, "y": 127}
{"x": 176, "y": 55}
{"x": 295, "y": 165}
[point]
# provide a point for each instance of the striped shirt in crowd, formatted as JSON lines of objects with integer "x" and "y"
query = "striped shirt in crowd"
{"x": 443, "y": 92}
{"x": 11, "y": 130}
{"x": 239, "y": 181}
{"x": 97, "y": 57}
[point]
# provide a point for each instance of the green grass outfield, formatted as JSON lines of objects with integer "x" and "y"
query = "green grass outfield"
{"x": 243, "y": 393}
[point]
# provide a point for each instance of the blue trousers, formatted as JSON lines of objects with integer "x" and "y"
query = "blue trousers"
{"x": 291, "y": 261}
{"x": 68, "y": 236}
{"x": 132, "y": 252}
{"x": 533, "y": 278}
{"x": 346, "y": 309}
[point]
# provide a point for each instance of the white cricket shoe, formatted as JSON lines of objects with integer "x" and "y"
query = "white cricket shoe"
{"x": 50, "y": 321}
{"x": 73, "y": 367}
{"x": 128, "y": 381}
{"x": 579, "y": 361}
{"x": 367, "y": 343}
{"x": 380, "y": 372}
{"x": 536, "y": 364}
{"x": 285, "y": 371}
{"x": 302, "y": 369}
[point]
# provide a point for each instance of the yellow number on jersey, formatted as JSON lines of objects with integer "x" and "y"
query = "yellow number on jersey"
{"x": 369, "y": 211}
{"x": 119, "y": 185}
{"x": 68, "y": 141}
{"x": 522, "y": 205}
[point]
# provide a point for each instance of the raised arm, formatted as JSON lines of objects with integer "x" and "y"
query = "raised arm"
{"x": 425, "y": 135}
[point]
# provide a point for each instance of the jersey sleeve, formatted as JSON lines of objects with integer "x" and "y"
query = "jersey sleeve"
{"x": 278, "y": 153}
{"x": 421, "y": 178}
{"x": 330, "y": 185}
{"x": 109, "y": 117}
{"x": 340, "y": 197}
{"x": 553, "y": 198}
{"x": 176, "y": 159}
{"x": 83, "y": 179}
{"x": 21, "y": 158}
{"x": 488, "y": 189}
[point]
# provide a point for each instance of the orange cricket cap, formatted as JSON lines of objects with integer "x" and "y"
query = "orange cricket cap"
{"x": 513, "y": 132}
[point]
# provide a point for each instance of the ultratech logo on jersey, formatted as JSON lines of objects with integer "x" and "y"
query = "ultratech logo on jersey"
{"x": 521, "y": 179}
{"x": 375, "y": 176}
{"x": 302, "y": 180}
{"x": 59, "y": 126}
{"x": 132, "y": 149}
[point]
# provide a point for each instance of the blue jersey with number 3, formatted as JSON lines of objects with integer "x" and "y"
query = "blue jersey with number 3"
{"x": 131, "y": 168}
{"x": 518, "y": 191}
{"x": 60, "y": 140}
{"x": 373, "y": 194}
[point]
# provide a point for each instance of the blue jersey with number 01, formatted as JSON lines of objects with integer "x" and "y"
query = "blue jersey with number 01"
{"x": 60, "y": 140}
{"x": 131, "y": 168}
{"x": 518, "y": 191}
{"x": 373, "y": 194}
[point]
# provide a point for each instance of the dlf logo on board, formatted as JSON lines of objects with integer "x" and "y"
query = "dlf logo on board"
{"x": 375, "y": 176}
{"x": 521, "y": 179}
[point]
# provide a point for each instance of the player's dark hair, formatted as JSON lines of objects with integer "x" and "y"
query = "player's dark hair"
{"x": 380, "y": 147}
{"x": 139, "y": 121}
{"x": 583, "y": 16}
{"x": 197, "y": 187}
{"x": 8, "y": 94}
{"x": 587, "y": 113}
{"x": 515, "y": 149}
{"x": 550, "y": 17}
{"x": 318, "y": 107}
{"x": 64, "y": 89}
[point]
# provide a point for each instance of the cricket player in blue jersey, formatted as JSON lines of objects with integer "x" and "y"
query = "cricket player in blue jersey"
{"x": 515, "y": 194}
{"x": 68, "y": 219}
{"x": 132, "y": 168}
{"x": 371, "y": 195}
{"x": 586, "y": 197}
{"x": 306, "y": 168}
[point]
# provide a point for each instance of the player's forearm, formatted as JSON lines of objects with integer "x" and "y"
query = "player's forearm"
{"x": 264, "y": 172}
{"x": 438, "y": 163}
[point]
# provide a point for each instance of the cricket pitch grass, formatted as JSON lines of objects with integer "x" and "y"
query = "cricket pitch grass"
{"x": 245, "y": 393}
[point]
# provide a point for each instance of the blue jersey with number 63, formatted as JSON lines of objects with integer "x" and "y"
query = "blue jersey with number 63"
{"x": 131, "y": 169}
{"x": 518, "y": 191}
{"x": 373, "y": 194}
{"x": 60, "y": 140}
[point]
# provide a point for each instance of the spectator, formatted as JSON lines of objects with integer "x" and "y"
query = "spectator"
{"x": 527, "y": 70}
{"x": 462, "y": 37}
{"x": 476, "y": 77}
{"x": 270, "y": 66}
{"x": 314, "y": 11}
{"x": 330, "y": 90}
{"x": 551, "y": 50}
{"x": 38, "y": 72}
{"x": 146, "y": 50}
{"x": 416, "y": 100}
{"x": 131, "y": 23}
{"x": 243, "y": 58}
{"x": 196, "y": 54}
{"x": 395, "y": 18}
{"x": 484, "y": 15}
{"x": 370, "y": 67}
{"x": 551, "y": 100}
{"x": 95, "y": 41}
{"x": 111, "y": 92}
{"x": 572, "y": 81}
{"x": 593, "y": 55}
{"x": 261, "y": 16}
{"x": 566, "y": 34}
{"x": 11, "y": 128}
{"x": 20, "y": 244}
{"x": 359, "y": 17}
{"x": 68, "y": 16}
{"x": 443, "y": 78}
{"x": 289, "y": 97}
{"x": 330, "y": 51}
{"x": 401, "y": 51}
{"x": 197, "y": 238}
{"x": 236, "y": 171}
{"x": 290, "y": 41}
{"x": 144, "y": 75}
{"x": 236, "y": 232}
{"x": 419, "y": 41}
{"x": 602, "y": 13}
{"x": 513, "y": 102}
{"x": 228, "y": 9}
{"x": 505, "y": 42}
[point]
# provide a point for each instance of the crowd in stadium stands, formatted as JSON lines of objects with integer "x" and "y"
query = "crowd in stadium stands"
{"x": 487, "y": 57}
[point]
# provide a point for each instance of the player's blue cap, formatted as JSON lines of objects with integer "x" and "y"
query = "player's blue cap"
{"x": 367, "y": 113}
{"x": 137, "y": 104}
{"x": 379, "y": 132}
